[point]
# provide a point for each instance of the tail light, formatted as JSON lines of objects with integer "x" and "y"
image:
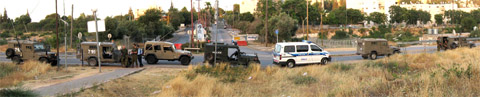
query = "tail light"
{"x": 280, "y": 57}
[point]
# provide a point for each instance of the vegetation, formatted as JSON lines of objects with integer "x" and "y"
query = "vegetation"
{"x": 377, "y": 17}
{"x": 17, "y": 92}
{"x": 12, "y": 74}
{"x": 438, "y": 19}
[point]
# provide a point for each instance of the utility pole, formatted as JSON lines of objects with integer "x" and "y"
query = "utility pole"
{"x": 191, "y": 17}
{"x": 216, "y": 32}
{"x": 98, "y": 43}
{"x": 71, "y": 29}
{"x": 266, "y": 23}
{"x": 58, "y": 39}
{"x": 308, "y": 30}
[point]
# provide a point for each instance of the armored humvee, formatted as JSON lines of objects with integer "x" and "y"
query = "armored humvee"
{"x": 228, "y": 54}
{"x": 159, "y": 50}
{"x": 22, "y": 50}
{"x": 452, "y": 42}
{"x": 109, "y": 53}
{"x": 371, "y": 48}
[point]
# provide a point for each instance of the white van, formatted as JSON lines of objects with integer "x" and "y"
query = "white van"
{"x": 295, "y": 53}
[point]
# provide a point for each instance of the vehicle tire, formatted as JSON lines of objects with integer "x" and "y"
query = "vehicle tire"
{"x": 324, "y": 61}
{"x": 290, "y": 64}
{"x": 92, "y": 62}
{"x": 373, "y": 55}
{"x": 16, "y": 59}
{"x": 10, "y": 52}
{"x": 453, "y": 46}
{"x": 43, "y": 59}
{"x": 151, "y": 59}
{"x": 185, "y": 60}
{"x": 365, "y": 56}
{"x": 396, "y": 52}
{"x": 53, "y": 63}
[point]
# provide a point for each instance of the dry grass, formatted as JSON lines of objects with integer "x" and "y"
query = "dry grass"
{"x": 450, "y": 73}
{"x": 19, "y": 73}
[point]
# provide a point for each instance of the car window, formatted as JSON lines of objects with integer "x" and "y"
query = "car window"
{"x": 149, "y": 47}
{"x": 302, "y": 48}
{"x": 167, "y": 48}
{"x": 315, "y": 48}
{"x": 157, "y": 47}
{"x": 373, "y": 43}
{"x": 288, "y": 49}
{"x": 277, "y": 48}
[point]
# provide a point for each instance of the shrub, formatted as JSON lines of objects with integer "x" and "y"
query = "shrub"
{"x": 17, "y": 92}
{"x": 342, "y": 67}
{"x": 340, "y": 35}
{"x": 224, "y": 72}
{"x": 303, "y": 80}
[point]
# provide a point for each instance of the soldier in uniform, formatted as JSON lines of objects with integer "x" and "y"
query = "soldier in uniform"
{"x": 135, "y": 55}
{"x": 124, "y": 57}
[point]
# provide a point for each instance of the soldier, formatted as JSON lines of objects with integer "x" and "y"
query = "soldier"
{"x": 140, "y": 54}
{"x": 135, "y": 55}
{"x": 124, "y": 57}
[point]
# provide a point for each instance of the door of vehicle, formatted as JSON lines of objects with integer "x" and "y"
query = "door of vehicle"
{"x": 28, "y": 52}
{"x": 384, "y": 49}
{"x": 302, "y": 54}
{"x": 158, "y": 51}
{"x": 169, "y": 52}
{"x": 316, "y": 54}
{"x": 149, "y": 49}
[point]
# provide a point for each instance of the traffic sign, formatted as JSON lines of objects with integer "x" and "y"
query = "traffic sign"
{"x": 79, "y": 35}
{"x": 109, "y": 35}
{"x": 100, "y": 24}
{"x": 276, "y": 31}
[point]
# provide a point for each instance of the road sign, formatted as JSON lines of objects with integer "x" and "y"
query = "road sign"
{"x": 79, "y": 35}
{"x": 91, "y": 26}
{"x": 109, "y": 35}
{"x": 276, "y": 31}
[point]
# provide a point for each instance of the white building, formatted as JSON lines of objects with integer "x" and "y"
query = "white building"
{"x": 370, "y": 6}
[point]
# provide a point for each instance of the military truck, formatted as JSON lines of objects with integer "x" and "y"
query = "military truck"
{"x": 109, "y": 53}
{"x": 159, "y": 50}
{"x": 452, "y": 42}
{"x": 372, "y": 48}
{"x": 23, "y": 50}
{"x": 228, "y": 54}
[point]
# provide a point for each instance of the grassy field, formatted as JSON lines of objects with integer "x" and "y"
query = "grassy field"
{"x": 449, "y": 73}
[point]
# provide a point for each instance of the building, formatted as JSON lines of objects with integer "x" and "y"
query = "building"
{"x": 370, "y": 6}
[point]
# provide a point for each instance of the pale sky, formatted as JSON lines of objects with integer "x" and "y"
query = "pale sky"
{"x": 38, "y": 9}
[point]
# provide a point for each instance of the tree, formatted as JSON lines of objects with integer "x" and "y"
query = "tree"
{"x": 151, "y": 26}
{"x": 175, "y": 17}
{"x": 247, "y": 16}
{"x": 340, "y": 35}
{"x": 468, "y": 23}
{"x": 438, "y": 19}
{"x": 285, "y": 25}
{"x": 151, "y": 15}
{"x": 398, "y": 14}
{"x": 354, "y": 16}
{"x": 236, "y": 8}
{"x": 261, "y": 12}
{"x": 344, "y": 16}
{"x": 186, "y": 15}
{"x": 377, "y": 17}
{"x": 424, "y": 16}
{"x": 23, "y": 20}
{"x": 455, "y": 16}
{"x": 475, "y": 33}
{"x": 476, "y": 14}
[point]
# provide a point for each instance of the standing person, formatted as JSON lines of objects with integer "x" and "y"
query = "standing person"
{"x": 124, "y": 58}
{"x": 140, "y": 54}
{"x": 134, "y": 55}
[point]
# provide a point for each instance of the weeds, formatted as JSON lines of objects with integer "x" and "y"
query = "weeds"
{"x": 225, "y": 72}
{"x": 6, "y": 69}
{"x": 17, "y": 92}
{"x": 342, "y": 67}
{"x": 458, "y": 71}
{"x": 15, "y": 74}
{"x": 303, "y": 80}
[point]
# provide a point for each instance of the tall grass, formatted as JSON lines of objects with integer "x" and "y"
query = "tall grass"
{"x": 13, "y": 74}
{"x": 17, "y": 92}
{"x": 449, "y": 73}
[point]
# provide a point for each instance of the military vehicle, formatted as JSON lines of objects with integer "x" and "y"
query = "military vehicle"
{"x": 109, "y": 53}
{"x": 159, "y": 50}
{"x": 452, "y": 42}
{"x": 372, "y": 48}
{"x": 228, "y": 54}
{"x": 19, "y": 51}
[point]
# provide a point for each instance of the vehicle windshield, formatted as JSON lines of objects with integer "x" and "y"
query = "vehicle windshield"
{"x": 39, "y": 47}
{"x": 173, "y": 46}
{"x": 278, "y": 48}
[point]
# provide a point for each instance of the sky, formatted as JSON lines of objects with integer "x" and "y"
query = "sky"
{"x": 38, "y": 9}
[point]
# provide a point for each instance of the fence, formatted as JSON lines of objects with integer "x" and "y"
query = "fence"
{"x": 334, "y": 43}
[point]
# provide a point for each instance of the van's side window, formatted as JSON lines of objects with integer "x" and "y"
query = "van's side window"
{"x": 374, "y": 43}
{"x": 289, "y": 49}
{"x": 315, "y": 48}
{"x": 302, "y": 48}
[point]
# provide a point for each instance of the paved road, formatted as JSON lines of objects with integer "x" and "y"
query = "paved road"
{"x": 76, "y": 85}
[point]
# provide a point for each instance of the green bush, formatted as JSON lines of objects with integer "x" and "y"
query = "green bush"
{"x": 17, "y": 92}
{"x": 342, "y": 67}
{"x": 224, "y": 72}
{"x": 475, "y": 33}
{"x": 6, "y": 69}
{"x": 303, "y": 80}
{"x": 340, "y": 35}
{"x": 458, "y": 71}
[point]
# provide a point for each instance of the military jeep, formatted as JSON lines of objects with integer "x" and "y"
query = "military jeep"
{"x": 22, "y": 50}
{"x": 159, "y": 50}
{"x": 228, "y": 54}
{"x": 109, "y": 53}
{"x": 372, "y": 48}
{"x": 452, "y": 42}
